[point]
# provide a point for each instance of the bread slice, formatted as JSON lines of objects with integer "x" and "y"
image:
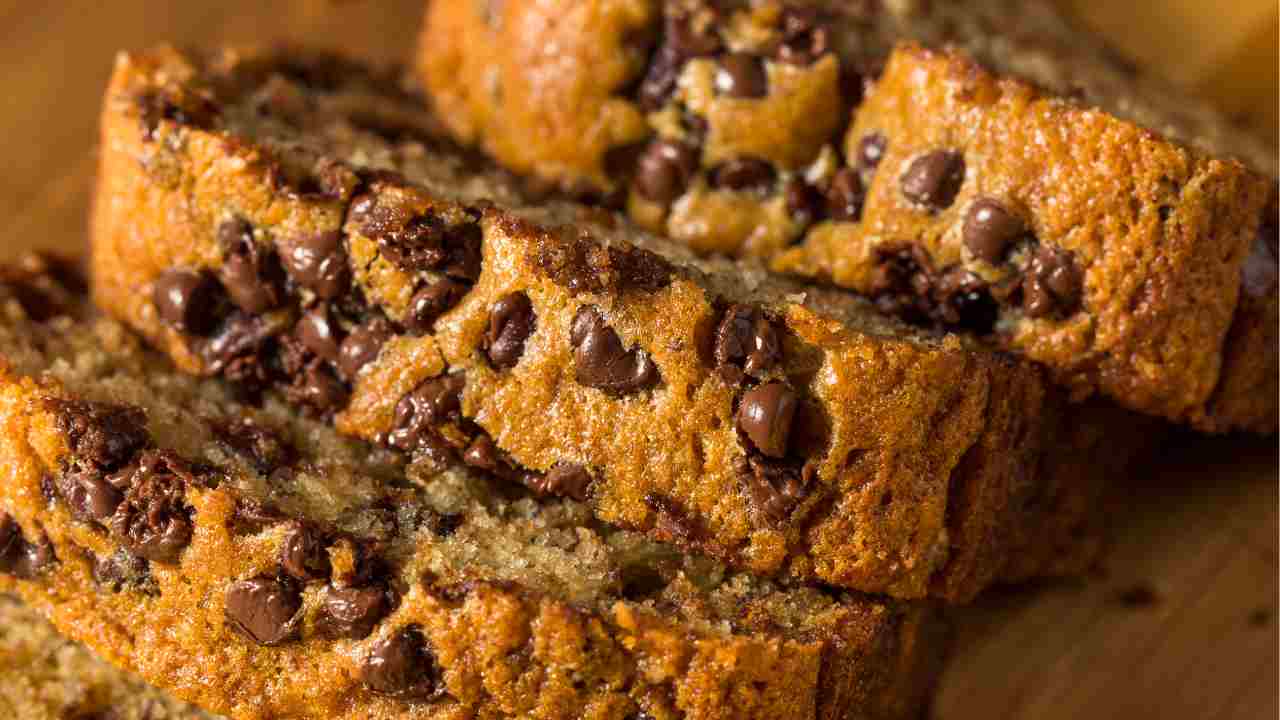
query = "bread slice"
{"x": 258, "y": 564}
{"x": 1133, "y": 249}
{"x": 287, "y": 221}
{"x": 44, "y": 676}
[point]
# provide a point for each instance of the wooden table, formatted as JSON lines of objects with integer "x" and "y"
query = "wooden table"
{"x": 1181, "y": 622}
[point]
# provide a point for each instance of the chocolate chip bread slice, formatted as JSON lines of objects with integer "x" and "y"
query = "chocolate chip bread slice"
{"x": 258, "y": 564}
{"x": 44, "y": 676}
{"x": 286, "y": 222}
{"x": 1060, "y": 203}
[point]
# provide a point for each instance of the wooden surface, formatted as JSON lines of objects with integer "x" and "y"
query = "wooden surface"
{"x": 1181, "y": 622}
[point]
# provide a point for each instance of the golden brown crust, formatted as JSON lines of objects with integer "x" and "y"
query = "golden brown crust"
{"x": 1160, "y": 230}
{"x": 496, "y": 647}
{"x": 917, "y": 447}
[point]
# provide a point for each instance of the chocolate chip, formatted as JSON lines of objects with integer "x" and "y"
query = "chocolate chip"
{"x": 776, "y": 488}
{"x": 846, "y": 196}
{"x": 20, "y": 558}
{"x": 187, "y": 301}
{"x": 103, "y": 434}
{"x": 741, "y": 75}
{"x": 511, "y": 322}
{"x": 123, "y": 570}
{"x": 765, "y": 417}
{"x": 362, "y": 346}
{"x": 581, "y": 265}
{"x": 317, "y": 390}
{"x": 482, "y": 453}
{"x": 567, "y": 480}
{"x": 805, "y": 37}
{"x": 302, "y": 554}
{"x": 263, "y": 609}
{"x": 902, "y": 283}
{"x": 870, "y": 151}
{"x": 746, "y": 345}
{"x": 88, "y": 494}
{"x": 934, "y": 179}
{"x": 435, "y": 401}
{"x": 601, "y": 361}
{"x": 264, "y": 448}
{"x": 804, "y": 201}
{"x": 318, "y": 262}
{"x": 352, "y": 613}
{"x": 1051, "y": 284}
{"x": 990, "y": 230}
{"x": 251, "y": 274}
{"x": 431, "y": 302}
{"x": 401, "y": 665}
{"x": 152, "y": 521}
{"x": 242, "y": 334}
{"x": 318, "y": 333}
{"x": 963, "y": 300}
{"x": 673, "y": 521}
{"x": 683, "y": 39}
{"x": 664, "y": 170}
{"x": 744, "y": 173}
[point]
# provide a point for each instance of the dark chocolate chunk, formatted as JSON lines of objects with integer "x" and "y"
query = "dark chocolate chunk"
{"x": 187, "y": 301}
{"x": 602, "y": 362}
{"x": 431, "y": 302}
{"x": 263, "y": 447}
{"x": 87, "y": 493}
{"x": 318, "y": 262}
{"x": 352, "y": 613}
{"x": 846, "y": 196}
{"x": 776, "y": 488}
{"x": 362, "y": 346}
{"x": 804, "y": 201}
{"x": 743, "y": 174}
{"x": 511, "y": 322}
{"x": 435, "y": 401}
{"x": 765, "y": 417}
{"x": 567, "y": 480}
{"x": 934, "y": 179}
{"x": 263, "y": 609}
{"x": 251, "y": 274}
{"x": 402, "y": 665}
{"x": 318, "y": 332}
{"x": 746, "y": 345}
{"x": 741, "y": 75}
{"x": 102, "y": 434}
{"x": 153, "y": 520}
{"x": 1051, "y": 284}
{"x": 990, "y": 230}
{"x": 870, "y": 152}
{"x": 664, "y": 170}
{"x": 805, "y": 36}
{"x": 302, "y": 554}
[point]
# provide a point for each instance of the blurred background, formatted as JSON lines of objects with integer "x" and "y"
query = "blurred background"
{"x": 1179, "y": 624}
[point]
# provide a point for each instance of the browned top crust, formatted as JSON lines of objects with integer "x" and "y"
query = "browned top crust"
{"x": 256, "y": 563}
{"x": 1127, "y": 227}
{"x": 784, "y": 428}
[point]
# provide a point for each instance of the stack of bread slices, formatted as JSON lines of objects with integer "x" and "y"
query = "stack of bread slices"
{"x": 663, "y": 359}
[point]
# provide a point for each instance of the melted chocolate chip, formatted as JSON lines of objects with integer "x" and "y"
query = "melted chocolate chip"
{"x": 152, "y": 521}
{"x": 317, "y": 390}
{"x": 19, "y": 557}
{"x": 804, "y": 201}
{"x": 602, "y": 362}
{"x": 683, "y": 40}
{"x": 186, "y": 110}
{"x": 743, "y": 174}
{"x": 934, "y": 179}
{"x": 263, "y": 609}
{"x": 416, "y": 242}
{"x": 362, "y": 346}
{"x": 264, "y": 448}
{"x": 318, "y": 262}
{"x": 88, "y": 494}
{"x": 402, "y": 665}
{"x": 252, "y": 275}
{"x": 352, "y": 613}
{"x": 776, "y": 488}
{"x": 123, "y": 571}
{"x": 102, "y": 434}
{"x": 962, "y": 299}
{"x": 870, "y": 152}
{"x": 431, "y": 302}
{"x": 1051, "y": 285}
{"x": 746, "y": 345}
{"x": 187, "y": 301}
{"x": 664, "y": 170}
{"x": 483, "y": 453}
{"x": 741, "y": 75}
{"x": 511, "y": 322}
{"x": 302, "y": 554}
{"x": 582, "y": 265}
{"x": 805, "y": 36}
{"x": 567, "y": 480}
{"x": 765, "y": 416}
{"x": 846, "y": 196}
{"x": 318, "y": 333}
{"x": 902, "y": 283}
{"x": 435, "y": 401}
{"x": 673, "y": 522}
{"x": 990, "y": 230}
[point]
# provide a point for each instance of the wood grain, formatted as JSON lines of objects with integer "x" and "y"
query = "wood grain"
{"x": 1198, "y": 530}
